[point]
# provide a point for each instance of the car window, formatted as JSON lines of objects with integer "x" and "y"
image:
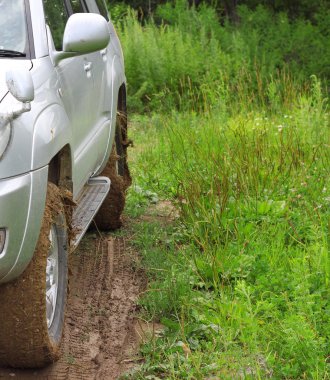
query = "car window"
{"x": 77, "y": 6}
{"x": 56, "y": 17}
{"x": 13, "y": 34}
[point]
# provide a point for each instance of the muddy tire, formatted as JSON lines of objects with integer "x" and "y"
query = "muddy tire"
{"x": 31, "y": 326}
{"x": 109, "y": 214}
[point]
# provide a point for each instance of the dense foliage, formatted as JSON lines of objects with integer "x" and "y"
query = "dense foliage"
{"x": 296, "y": 8}
{"x": 237, "y": 137}
{"x": 192, "y": 60}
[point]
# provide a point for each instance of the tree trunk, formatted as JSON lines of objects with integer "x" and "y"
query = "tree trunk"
{"x": 230, "y": 10}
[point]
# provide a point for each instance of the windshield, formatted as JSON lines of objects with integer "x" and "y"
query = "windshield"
{"x": 13, "y": 35}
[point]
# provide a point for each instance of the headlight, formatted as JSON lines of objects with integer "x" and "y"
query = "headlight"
{"x": 2, "y": 239}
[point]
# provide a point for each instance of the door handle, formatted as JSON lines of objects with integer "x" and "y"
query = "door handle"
{"x": 88, "y": 69}
{"x": 104, "y": 54}
{"x": 88, "y": 66}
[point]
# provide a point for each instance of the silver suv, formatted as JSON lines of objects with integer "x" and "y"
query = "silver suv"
{"x": 63, "y": 142}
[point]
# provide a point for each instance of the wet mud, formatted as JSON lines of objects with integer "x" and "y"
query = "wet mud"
{"x": 100, "y": 337}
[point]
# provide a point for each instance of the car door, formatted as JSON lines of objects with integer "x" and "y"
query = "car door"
{"x": 77, "y": 92}
{"x": 102, "y": 62}
{"x": 100, "y": 71}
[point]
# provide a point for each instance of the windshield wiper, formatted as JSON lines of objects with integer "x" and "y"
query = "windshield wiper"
{"x": 11, "y": 53}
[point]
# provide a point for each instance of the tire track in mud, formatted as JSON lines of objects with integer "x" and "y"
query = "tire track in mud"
{"x": 99, "y": 333}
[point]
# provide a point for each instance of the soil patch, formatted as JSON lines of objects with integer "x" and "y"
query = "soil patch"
{"x": 163, "y": 212}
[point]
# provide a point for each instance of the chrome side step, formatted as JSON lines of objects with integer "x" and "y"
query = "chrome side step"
{"x": 88, "y": 204}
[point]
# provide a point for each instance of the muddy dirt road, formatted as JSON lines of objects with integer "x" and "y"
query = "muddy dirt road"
{"x": 100, "y": 339}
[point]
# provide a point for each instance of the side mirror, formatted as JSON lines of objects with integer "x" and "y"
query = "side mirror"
{"x": 20, "y": 85}
{"x": 84, "y": 33}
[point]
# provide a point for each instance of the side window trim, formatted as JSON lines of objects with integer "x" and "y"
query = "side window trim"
{"x": 31, "y": 51}
{"x": 85, "y": 6}
{"x": 70, "y": 9}
{"x": 103, "y": 12}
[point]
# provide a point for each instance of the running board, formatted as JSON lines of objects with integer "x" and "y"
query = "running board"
{"x": 88, "y": 204}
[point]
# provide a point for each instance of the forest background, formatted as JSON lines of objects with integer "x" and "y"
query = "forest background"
{"x": 228, "y": 105}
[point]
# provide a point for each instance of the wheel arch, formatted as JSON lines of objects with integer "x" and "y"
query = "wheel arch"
{"x": 122, "y": 99}
{"x": 60, "y": 168}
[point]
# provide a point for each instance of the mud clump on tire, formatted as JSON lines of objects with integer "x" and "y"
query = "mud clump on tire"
{"x": 109, "y": 215}
{"x": 124, "y": 142}
{"x": 24, "y": 335}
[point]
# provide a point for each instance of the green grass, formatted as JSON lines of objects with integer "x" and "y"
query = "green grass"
{"x": 241, "y": 147}
{"x": 243, "y": 278}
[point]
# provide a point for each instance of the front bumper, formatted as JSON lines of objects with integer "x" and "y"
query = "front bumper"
{"x": 22, "y": 204}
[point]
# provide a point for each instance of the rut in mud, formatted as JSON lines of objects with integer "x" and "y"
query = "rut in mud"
{"x": 100, "y": 340}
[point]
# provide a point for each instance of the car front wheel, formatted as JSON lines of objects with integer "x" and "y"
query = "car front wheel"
{"x": 32, "y": 306}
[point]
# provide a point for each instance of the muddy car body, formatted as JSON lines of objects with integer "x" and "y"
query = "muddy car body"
{"x": 62, "y": 86}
